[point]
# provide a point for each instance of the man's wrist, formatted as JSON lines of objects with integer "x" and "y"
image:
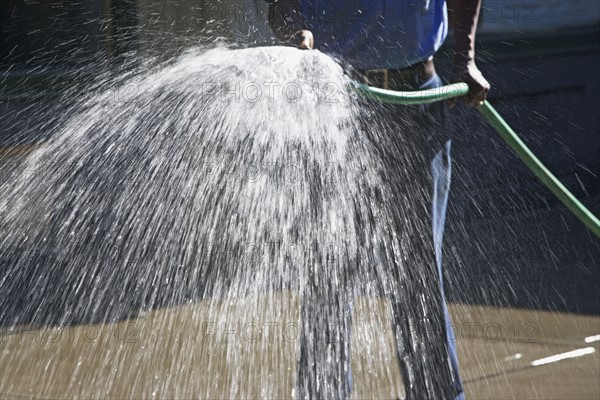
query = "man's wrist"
{"x": 463, "y": 60}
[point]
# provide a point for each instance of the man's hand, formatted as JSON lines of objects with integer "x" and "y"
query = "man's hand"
{"x": 478, "y": 85}
{"x": 464, "y": 15}
{"x": 304, "y": 39}
{"x": 288, "y": 24}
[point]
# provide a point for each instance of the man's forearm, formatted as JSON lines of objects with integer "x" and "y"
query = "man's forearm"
{"x": 464, "y": 15}
{"x": 285, "y": 18}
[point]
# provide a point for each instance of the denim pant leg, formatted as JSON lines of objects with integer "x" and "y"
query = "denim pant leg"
{"x": 323, "y": 364}
{"x": 441, "y": 170}
{"x": 426, "y": 345}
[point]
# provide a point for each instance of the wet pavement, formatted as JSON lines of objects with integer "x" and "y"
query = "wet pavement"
{"x": 504, "y": 353}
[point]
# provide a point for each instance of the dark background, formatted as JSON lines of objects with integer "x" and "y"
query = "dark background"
{"x": 509, "y": 241}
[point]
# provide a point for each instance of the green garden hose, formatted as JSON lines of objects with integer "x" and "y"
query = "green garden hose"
{"x": 505, "y": 131}
{"x": 413, "y": 98}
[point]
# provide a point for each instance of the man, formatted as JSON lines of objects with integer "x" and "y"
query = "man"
{"x": 391, "y": 44}
{"x": 418, "y": 29}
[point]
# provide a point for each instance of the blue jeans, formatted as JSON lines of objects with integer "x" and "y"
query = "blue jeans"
{"x": 425, "y": 342}
{"x": 441, "y": 171}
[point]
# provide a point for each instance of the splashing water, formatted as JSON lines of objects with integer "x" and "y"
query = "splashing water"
{"x": 229, "y": 185}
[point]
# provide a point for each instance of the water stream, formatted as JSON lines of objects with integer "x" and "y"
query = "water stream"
{"x": 208, "y": 190}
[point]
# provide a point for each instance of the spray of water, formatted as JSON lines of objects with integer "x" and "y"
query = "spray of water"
{"x": 245, "y": 181}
